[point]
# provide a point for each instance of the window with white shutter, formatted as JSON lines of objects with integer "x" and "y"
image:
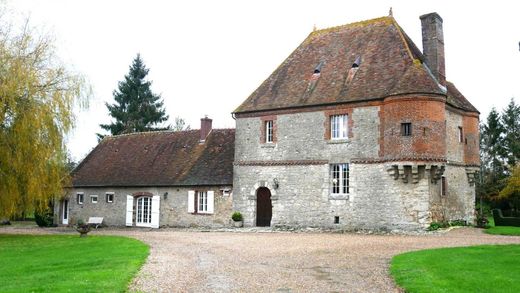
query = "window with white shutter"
{"x": 191, "y": 201}
{"x": 129, "y": 210}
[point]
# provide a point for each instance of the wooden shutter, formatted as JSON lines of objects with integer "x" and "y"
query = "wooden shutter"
{"x": 156, "y": 204}
{"x": 211, "y": 201}
{"x": 129, "y": 210}
{"x": 191, "y": 201}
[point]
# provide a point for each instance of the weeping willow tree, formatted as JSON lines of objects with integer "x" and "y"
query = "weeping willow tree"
{"x": 37, "y": 98}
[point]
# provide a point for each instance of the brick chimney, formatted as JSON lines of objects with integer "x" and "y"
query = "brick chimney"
{"x": 433, "y": 45}
{"x": 205, "y": 128}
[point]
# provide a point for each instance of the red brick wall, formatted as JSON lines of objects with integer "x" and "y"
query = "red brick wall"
{"x": 427, "y": 116}
{"x": 471, "y": 140}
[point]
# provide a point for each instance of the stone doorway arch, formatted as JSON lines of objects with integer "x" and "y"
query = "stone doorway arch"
{"x": 264, "y": 207}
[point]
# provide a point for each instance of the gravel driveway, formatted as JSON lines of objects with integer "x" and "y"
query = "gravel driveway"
{"x": 184, "y": 261}
{"x": 283, "y": 262}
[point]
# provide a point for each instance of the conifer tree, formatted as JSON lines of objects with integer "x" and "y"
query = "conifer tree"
{"x": 136, "y": 107}
{"x": 511, "y": 124}
{"x": 492, "y": 154}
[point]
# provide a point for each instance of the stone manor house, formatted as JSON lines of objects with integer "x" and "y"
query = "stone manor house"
{"x": 356, "y": 129}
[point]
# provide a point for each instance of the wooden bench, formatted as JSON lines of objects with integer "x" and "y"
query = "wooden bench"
{"x": 95, "y": 221}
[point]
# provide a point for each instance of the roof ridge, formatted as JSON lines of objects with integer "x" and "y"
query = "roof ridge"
{"x": 159, "y": 132}
{"x": 403, "y": 39}
{"x": 146, "y": 133}
{"x": 385, "y": 19}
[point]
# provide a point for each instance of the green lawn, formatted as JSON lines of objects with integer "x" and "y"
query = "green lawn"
{"x": 68, "y": 263}
{"x": 504, "y": 230}
{"x": 501, "y": 230}
{"x": 487, "y": 268}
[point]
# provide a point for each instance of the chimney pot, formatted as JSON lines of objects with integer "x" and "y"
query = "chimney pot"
{"x": 205, "y": 128}
{"x": 433, "y": 45}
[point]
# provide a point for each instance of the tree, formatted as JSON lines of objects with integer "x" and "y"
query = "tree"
{"x": 512, "y": 189}
{"x": 511, "y": 122}
{"x": 136, "y": 107}
{"x": 180, "y": 125}
{"x": 37, "y": 96}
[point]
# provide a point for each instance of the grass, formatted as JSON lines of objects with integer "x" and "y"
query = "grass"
{"x": 487, "y": 268}
{"x": 68, "y": 263}
{"x": 503, "y": 230}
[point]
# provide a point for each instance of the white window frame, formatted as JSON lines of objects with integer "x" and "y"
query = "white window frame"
{"x": 340, "y": 178}
{"x": 80, "y": 195}
{"x": 93, "y": 198}
{"x": 108, "y": 195}
{"x": 339, "y": 126}
{"x": 461, "y": 134}
{"x": 202, "y": 202}
{"x": 269, "y": 131}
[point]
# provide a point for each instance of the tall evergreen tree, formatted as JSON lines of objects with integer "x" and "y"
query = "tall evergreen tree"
{"x": 511, "y": 123}
{"x": 136, "y": 107}
{"x": 492, "y": 154}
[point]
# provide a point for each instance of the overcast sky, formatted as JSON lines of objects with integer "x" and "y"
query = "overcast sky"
{"x": 206, "y": 57}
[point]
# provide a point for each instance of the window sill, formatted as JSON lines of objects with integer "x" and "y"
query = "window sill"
{"x": 337, "y": 141}
{"x": 201, "y": 214}
{"x": 268, "y": 145}
{"x": 338, "y": 196}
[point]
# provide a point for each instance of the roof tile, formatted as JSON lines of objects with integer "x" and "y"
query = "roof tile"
{"x": 162, "y": 158}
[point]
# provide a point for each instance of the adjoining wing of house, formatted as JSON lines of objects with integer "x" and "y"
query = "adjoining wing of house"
{"x": 154, "y": 179}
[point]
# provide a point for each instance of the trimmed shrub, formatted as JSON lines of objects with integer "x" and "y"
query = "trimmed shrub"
{"x": 237, "y": 217}
{"x": 500, "y": 220}
{"x": 44, "y": 218}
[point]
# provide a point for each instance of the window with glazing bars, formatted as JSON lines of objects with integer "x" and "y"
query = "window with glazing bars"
{"x": 203, "y": 201}
{"x": 338, "y": 126}
{"x": 340, "y": 179}
{"x": 269, "y": 131}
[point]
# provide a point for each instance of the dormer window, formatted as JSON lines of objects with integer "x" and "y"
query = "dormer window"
{"x": 317, "y": 69}
{"x": 352, "y": 71}
{"x": 357, "y": 62}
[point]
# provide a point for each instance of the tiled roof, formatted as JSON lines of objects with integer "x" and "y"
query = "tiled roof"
{"x": 162, "y": 158}
{"x": 391, "y": 64}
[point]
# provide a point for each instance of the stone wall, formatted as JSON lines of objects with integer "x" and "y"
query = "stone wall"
{"x": 376, "y": 200}
{"x": 173, "y": 208}
{"x": 300, "y": 136}
{"x": 380, "y": 197}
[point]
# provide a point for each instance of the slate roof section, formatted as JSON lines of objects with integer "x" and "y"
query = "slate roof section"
{"x": 391, "y": 64}
{"x": 162, "y": 158}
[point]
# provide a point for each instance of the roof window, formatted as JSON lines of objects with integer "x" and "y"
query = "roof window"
{"x": 318, "y": 67}
{"x": 352, "y": 71}
{"x": 357, "y": 62}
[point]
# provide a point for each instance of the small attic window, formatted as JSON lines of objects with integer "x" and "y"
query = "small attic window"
{"x": 318, "y": 67}
{"x": 352, "y": 71}
{"x": 357, "y": 62}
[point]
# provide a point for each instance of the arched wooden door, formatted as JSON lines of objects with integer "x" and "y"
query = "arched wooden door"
{"x": 264, "y": 208}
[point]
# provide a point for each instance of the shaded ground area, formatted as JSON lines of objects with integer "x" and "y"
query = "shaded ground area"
{"x": 194, "y": 261}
